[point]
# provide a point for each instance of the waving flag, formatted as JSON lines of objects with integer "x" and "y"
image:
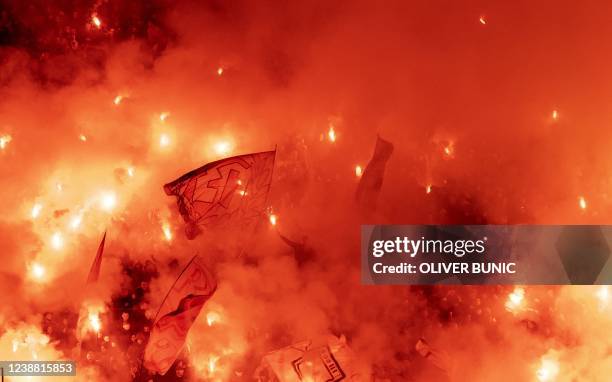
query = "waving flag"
{"x": 373, "y": 176}
{"x": 178, "y": 311}
{"x": 94, "y": 272}
{"x": 226, "y": 192}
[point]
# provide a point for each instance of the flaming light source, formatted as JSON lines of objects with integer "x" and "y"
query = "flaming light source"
{"x": 212, "y": 364}
{"x": 36, "y": 210}
{"x": 222, "y": 147}
{"x": 428, "y": 189}
{"x": 449, "y": 149}
{"x": 483, "y": 20}
{"x": 164, "y": 140}
{"x": 212, "y": 318}
{"x": 108, "y": 201}
{"x": 358, "y": 171}
{"x": 331, "y": 134}
{"x": 220, "y": 71}
{"x": 118, "y": 100}
{"x": 163, "y": 116}
{"x": 75, "y": 222}
{"x": 94, "y": 321}
{"x": 95, "y": 20}
{"x": 515, "y": 299}
{"x": 83, "y": 138}
{"x": 37, "y": 271}
{"x": 582, "y": 203}
{"x": 130, "y": 172}
{"x": 273, "y": 219}
{"x": 548, "y": 370}
{"x": 4, "y": 141}
{"x": 57, "y": 241}
{"x": 167, "y": 231}
{"x": 555, "y": 115}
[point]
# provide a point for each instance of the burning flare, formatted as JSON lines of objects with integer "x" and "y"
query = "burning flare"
{"x": 515, "y": 299}
{"x": 358, "y": 171}
{"x": 4, "y": 141}
{"x": 582, "y": 203}
{"x": 331, "y": 134}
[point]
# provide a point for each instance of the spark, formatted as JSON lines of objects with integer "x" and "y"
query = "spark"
{"x": 94, "y": 321}
{"x": 482, "y": 20}
{"x": 548, "y": 371}
{"x": 57, "y": 241}
{"x": 212, "y": 317}
{"x": 220, "y": 71}
{"x": 358, "y": 171}
{"x": 163, "y": 116}
{"x": 4, "y": 140}
{"x": 38, "y": 271}
{"x": 582, "y": 203}
{"x": 130, "y": 172}
{"x": 96, "y": 21}
{"x": 555, "y": 115}
{"x": 83, "y": 138}
{"x": 108, "y": 201}
{"x": 222, "y": 147}
{"x": 273, "y": 219}
{"x": 164, "y": 140}
{"x": 167, "y": 230}
{"x": 515, "y": 299}
{"x": 331, "y": 134}
{"x": 428, "y": 189}
{"x": 449, "y": 149}
{"x": 118, "y": 100}
{"x": 36, "y": 210}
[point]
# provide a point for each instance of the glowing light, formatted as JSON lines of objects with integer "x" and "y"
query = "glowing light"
{"x": 167, "y": 231}
{"x": 515, "y": 299}
{"x": 358, "y": 171}
{"x": 163, "y": 116}
{"x": 212, "y": 318}
{"x": 582, "y": 203}
{"x": 38, "y": 271}
{"x": 57, "y": 241}
{"x": 242, "y": 192}
{"x": 75, "y": 222}
{"x": 108, "y": 201}
{"x": 449, "y": 149}
{"x": 130, "y": 172}
{"x": 95, "y": 20}
{"x": 603, "y": 294}
{"x": 548, "y": 371}
{"x": 212, "y": 364}
{"x": 59, "y": 187}
{"x": 94, "y": 321}
{"x": 428, "y": 189}
{"x": 4, "y": 141}
{"x": 222, "y": 147}
{"x": 83, "y": 138}
{"x": 220, "y": 71}
{"x": 482, "y": 20}
{"x": 118, "y": 100}
{"x": 273, "y": 219}
{"x": 164, "y": 140}
{"x": 36, "y": 210}
{"x": 555, "y": 115}
{"x": 331, "y": 134}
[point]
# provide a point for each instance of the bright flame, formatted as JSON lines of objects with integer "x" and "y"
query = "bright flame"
{"x": 83, "y": 138}
{"x": 548, "y": 371}
{"x": 57, "y": 241}
{"x": 331, "y": 134}
{"x": 75, "y": 222}
{"x": 242, "y": 192}
{"x": 212, "y": 317}
{"x": 582, "y": 203}
{"x": 220, "y": 71}
{"x": 167, "y": 231}
{"x": 222, "y": 147}
{"x": 449, "y": 149}
{"x": 603, "y": 294}
{"x": 273, "y": 219}
{"x": 164, "y": 140}
{"x": 163, "y": 116}
{"x": 36, "y": 210}
{"x": 96, "y": 21}
{"x": 515, "y": 299}
{"x": 212, "y": 364}
{"x": 108, "y": 201}
{"x": 482, "y": 20}
{"x": 4, "y": 140}
{"x": 38, "y": 271}
{"x": 358, "y": 171}
{"x": 118, "y": 100}
{"x": 555, "y": 115}
{"x": 428, "y": 189}
{"x": 130, "y": 172}
{"x": 94, "y": 321}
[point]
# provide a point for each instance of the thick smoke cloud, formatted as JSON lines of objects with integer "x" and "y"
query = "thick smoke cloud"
{"x": 501, "y": 122}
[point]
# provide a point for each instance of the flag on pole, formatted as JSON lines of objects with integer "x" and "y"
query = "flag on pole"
{"x": 229, "y": 191}
{"x": 194, "y": 286}
{"x": 374, "y": 173}
{"x": 94, "y": 271}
